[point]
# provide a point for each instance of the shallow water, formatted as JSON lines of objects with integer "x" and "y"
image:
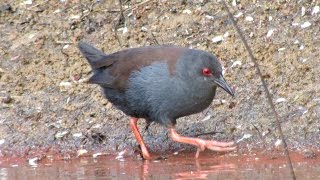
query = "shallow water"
{"x": 181, "y": 166}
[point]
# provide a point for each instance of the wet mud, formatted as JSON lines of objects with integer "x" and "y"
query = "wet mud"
{"x": 178, "y": 166}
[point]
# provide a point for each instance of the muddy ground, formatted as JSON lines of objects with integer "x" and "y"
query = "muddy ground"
{"x": 46, "y": 104}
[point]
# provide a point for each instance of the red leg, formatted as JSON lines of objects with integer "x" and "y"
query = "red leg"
{"x": 202, "y": 144}
{"x": 133, "y": 124}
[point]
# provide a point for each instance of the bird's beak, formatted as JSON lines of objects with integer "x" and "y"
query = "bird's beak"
{"x": 221, "y": 82}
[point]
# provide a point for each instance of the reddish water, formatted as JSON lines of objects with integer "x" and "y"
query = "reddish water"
{"x": 181, "y": 166}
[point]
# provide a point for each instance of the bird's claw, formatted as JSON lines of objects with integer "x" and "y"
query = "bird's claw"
{"x": 214, "y": 146}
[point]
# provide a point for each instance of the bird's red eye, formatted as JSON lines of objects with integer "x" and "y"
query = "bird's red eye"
{"x": 206, "y": 72}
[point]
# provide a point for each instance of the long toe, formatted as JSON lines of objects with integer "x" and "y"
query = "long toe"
{"x": 214, "y": 146}
{"x": 220, "y": 146}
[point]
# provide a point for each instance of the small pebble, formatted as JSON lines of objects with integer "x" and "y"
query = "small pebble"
{"x": 120, "y": 155}
{"x": 236, "y": 63}
{"x": 301, "y": 47}
{"x": 186, "y": 11}
{"x": 209, "y": 17}
{"x": 279, "y": 100}
{"x": 27, "y": 2}
{"x": 305, "y": 25}
{"x": 270, "y": 32}
{"x": 315, "y": 10}
{"x": 77, "y": 135}
{"x": 249, "y": 18}
{"x": 144, "y": 29}
{"x": 206, "y": 118}
{"x": 7, "y": 99}
{"x": 81, "y": 152}
{"x": 73, "y": 17}
{"x": 234, "y": 3}
{"x": 295, "y": 24}
{"x": 226, "y": 35}
{"x": 33, "y": 161}
{"x": 238, "y": 15}
{"x": 64, "y": 83}
{"x": 303, "y": 11}
{"x": 125, "y": 30}
{"x": 217, "y": 39}
{"x": 61, "y": 134}
{"x": 246, "y": 136}
{"x": 278, "y": 142}
{"x": 96, "y": 155}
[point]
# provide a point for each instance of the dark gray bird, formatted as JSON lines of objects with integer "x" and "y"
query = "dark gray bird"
{"x": 159, "y": 84}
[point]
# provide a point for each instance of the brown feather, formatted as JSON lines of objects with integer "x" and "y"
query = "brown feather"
{"x": 130, "y": 60}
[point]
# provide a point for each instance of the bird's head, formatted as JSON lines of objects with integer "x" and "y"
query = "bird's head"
{"x": 206, "y": 68}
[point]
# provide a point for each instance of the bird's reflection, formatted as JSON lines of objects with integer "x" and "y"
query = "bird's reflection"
{"x": 145, "y": 169}
{"x": 203, "y": 172}
{"x": 201, "y": 169}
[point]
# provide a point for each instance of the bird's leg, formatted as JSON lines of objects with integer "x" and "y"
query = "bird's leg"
{"x": 133, "y": 124}
{"x": 202, "y": 144}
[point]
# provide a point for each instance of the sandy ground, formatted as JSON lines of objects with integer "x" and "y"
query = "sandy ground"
{"x": 45, "y": 104}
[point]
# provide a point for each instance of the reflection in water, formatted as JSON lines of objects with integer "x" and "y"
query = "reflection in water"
{"x": 145, "y": 170}
{"x": 3, "y": 173}
{"x": 196, "y": 173}
{"x": 175, "y": 167}
{"x": 202, "y": 173}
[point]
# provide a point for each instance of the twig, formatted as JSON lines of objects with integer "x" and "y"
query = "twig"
{"x": 209, "y": 133}
{"x": 89, "y": 11}
{"x": 63, "y": 42}
{"x": 5, "y": 52}
{"x": 264, "y": 86}
{"x": 260, "y": 135}
{"x": 154, "y": 39}
{"x": 118, "y": 22}
{"x": 117, "y": 37}
{"x": 128, "y": 9}
{"x": 121, "y": 19}
{"x": 121, "y": 11}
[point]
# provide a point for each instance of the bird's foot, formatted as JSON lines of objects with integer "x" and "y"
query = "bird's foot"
{"x": 213, "y": 145}
{"x": 202, "y": 144}
{"x": 145, "y": 153}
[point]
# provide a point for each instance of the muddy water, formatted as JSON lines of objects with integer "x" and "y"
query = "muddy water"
{"x": 181, "y": 166}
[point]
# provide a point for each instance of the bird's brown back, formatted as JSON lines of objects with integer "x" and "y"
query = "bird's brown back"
{"x": 130, "y": 60}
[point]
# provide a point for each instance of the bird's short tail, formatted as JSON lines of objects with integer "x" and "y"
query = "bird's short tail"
{"x": 94, "y": 56}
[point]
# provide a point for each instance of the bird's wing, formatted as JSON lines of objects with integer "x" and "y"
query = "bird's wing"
{"x": 113, "y": 70}
{"x": 130, "y": 60}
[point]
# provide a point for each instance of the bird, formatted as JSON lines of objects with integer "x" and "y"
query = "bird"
{"x": 159, "y": 84}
